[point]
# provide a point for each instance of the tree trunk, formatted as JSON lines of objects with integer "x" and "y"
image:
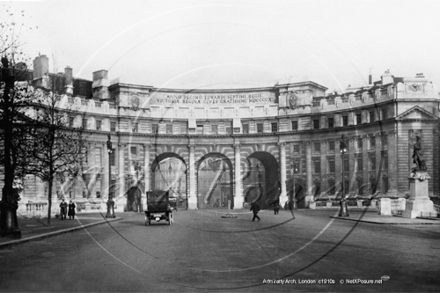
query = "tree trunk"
{"x": 49, "y": 205}
{"x": 9, "y": 202}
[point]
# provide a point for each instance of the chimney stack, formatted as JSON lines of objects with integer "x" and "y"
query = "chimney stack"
{"x": 387, "y": 78}
{"x": 68, "y": 75}
{"x": 370, "y": 78}
{"x": 41, "y": 71}
{"x": 100, "y": 85}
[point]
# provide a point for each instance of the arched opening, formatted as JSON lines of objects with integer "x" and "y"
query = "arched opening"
{"x": 299, "y": 191}
{"x": 262, "y": 169}
{"x": 214, "y": 184}
{"x": 169, "y": 173}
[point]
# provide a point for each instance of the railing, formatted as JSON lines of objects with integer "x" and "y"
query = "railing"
{"x": 36, "y": 210}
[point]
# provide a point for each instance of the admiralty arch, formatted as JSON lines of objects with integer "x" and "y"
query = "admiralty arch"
{"x": 215, "y": 147}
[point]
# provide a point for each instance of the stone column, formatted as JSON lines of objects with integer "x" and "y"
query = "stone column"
{"x": 392, "y": 165}
{"x": 283, "y": 195}
{"x": 147, "y": 174}
{"x": 309, "y": 187}
{"x": 378, "y": 154}
{"x": 147, "y": 167}
{"x": 352, "y": 145}
{"x": 121, "y": 166}
{"x": 93, "y": 169}
{"x": 192, "y": 198}
{"x": 324, "y": 168}
{"x": 105, "y": 181}
{"x": 238, "y": 198}
{"x": 339, "y": 165}
{"x": 365, "y": 176}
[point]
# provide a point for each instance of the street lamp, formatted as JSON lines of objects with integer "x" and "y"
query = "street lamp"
{"x": 110, "y": 202}
{"x": 343, "y": 203}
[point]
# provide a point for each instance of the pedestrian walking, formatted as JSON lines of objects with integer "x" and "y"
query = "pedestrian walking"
{"x": 291, "y": 206}
{"x": 63, "y": 209}
{"x": 71, "y": 213}
{"x": 255, "y": 208}
{"x": 276, "y": 208}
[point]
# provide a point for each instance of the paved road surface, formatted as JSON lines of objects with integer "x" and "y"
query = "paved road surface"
{"x": 202, "y": 252}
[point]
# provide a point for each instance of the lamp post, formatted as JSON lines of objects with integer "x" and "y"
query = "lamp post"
{"x": 343, "y": 203}
{"x": 110, "y": 202}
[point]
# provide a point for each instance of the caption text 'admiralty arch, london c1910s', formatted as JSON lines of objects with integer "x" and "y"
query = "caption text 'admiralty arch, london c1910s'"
{"x": 212, "y": 148}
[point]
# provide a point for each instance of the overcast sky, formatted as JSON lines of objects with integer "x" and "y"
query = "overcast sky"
{"x": 234, "y": 44}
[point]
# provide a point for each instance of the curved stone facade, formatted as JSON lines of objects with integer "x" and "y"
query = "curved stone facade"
{"x": 214, "y": 148}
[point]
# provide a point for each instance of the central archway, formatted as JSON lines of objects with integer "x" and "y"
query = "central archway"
{"x": 169, "y": 173}
{"x": 214, "y": 184}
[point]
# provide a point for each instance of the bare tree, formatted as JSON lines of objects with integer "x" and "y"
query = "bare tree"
{"x": 58, "y": 150}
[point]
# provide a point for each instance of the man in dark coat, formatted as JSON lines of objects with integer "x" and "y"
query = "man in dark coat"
{"x": 63, "y": 209}
{"x": 71, "y": 213}
{"x": 255, "y": 208}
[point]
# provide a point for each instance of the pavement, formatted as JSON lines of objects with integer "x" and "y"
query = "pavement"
{"x": 34, "y": 229}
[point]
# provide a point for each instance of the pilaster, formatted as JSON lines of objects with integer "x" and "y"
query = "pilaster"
{"x": 238, "y": 198}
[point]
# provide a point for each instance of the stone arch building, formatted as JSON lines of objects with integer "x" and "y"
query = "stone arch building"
{"x": 212, "y": 148}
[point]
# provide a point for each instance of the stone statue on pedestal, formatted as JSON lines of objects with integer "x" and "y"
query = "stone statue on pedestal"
{"x": 417, "y": 155}
{"x": 419, "y": 204}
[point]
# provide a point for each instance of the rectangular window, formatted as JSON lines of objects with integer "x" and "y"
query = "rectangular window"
{"x": 169, "y": 128}
{"x": 358, "y": 118}
{"x": 359, "y": 165}
{"x": 317, "y": 167}
{"x": 330, "y": 122}
{"x": 372, "y": 141}
{"x": 372, "y": 163}
{"x": 214, "y": 129}
{"x": 199, "y": 129}
{"x": 331, "y": 146}
{"x": 112, "y": 126}
{"x": 294, "y": 125}
{"x": 384, "y": 140}
{"x": 155, "y": 128}
{"x": 84, "y": 123}
{"x": 134, "y": 129}
{"x": 359, "y": 143}
{"x": 384, "y": 114}
{"x": 98, "y": 124}
{"x": 274, "y": 126}
{"x": 345, "y": 120}
{"x": 317, "y": 147}
{"x": 245, "y": 128}
{"x": 295, "y": 167}
{"x": 331, "y": 165}
{"x": 228, "y": 130}
{"x": 183, "y": 129}
{"x": 316, "y": 124}
{"x": 259, "y": 127}
{"x": 98, "y": 194}
{"x": 296, "y": 148}
{"x": 133, "y": 151}
{"x": 71, "y": 120}
{"x": 372, "y": 116}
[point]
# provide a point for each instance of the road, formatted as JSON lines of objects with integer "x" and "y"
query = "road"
{"x": 203, "y": 252}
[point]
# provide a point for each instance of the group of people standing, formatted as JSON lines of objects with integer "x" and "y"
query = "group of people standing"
{"x": 63, "y": 210}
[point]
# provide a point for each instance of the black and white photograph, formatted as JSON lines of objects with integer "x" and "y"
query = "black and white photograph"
{"x": 219, "y": 146}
